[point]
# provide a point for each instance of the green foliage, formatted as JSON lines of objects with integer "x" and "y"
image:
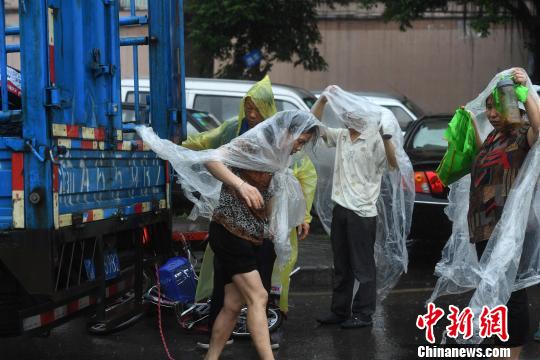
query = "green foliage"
{"x": 284, "y": 30}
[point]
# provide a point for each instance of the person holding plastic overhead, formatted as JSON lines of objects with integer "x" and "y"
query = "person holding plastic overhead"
{"x": 256, "y": 106}
{"x": 250, "y": 194}
{"x": 494, "y": 247}
{"x": 364, "y": 152}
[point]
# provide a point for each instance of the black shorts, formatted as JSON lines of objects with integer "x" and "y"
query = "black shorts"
{"x": 236, "y": 255}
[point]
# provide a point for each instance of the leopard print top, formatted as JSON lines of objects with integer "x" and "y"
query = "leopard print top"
{"x": 235, "y": 216}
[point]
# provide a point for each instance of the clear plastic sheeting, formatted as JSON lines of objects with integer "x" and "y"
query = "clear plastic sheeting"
{"x": 267, "y": 147}
{"x": 396, "y": 199}
{"x": 511, "y": 260}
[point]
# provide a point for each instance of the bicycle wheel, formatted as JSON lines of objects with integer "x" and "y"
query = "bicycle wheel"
{"x": 273, "y": 314}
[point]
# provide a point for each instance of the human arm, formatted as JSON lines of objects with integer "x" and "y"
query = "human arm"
{"x": 306, "y": 174}
{"x": 211, "y": 139}
{"x": 476, "y": 132}
{"x": 389, "y": 149}
{"x": 248, "y": 193}
{"x": 390, "y": 153}
{"x": 531, "y": 106}
{"x": 318, "y": 108}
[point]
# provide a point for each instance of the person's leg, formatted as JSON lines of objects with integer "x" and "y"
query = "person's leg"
{"x": 251, "y": 287}
{"x": 361, "y": 234}
{"x": 266, "y": 256}
{"x": 218, "y": 293}
{"x": 343, "y": 280}
{"x": 225, "y": 321}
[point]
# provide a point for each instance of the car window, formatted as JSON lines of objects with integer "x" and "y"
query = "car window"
{"x": 282, "y": 105}
{"x": 201, "y": 120}
{"x": 191, "y": 129}
{"x": 430, "y": 136}
{"x": 223, "y": 107}
{"x": 143, "y": 97}
{"x": 401, "y": 115}
{"x": 128, "y": 112}
{"x": 310, "y": 101}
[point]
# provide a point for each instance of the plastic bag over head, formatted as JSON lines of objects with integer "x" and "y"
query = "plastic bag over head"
{"x": 396, "y": 199}
{"x": 266, "y": 147}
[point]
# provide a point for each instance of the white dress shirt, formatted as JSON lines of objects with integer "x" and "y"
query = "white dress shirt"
{"x": 359, "y": 166}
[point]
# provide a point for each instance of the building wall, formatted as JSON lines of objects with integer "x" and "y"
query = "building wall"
{"x": 439, "y": 64}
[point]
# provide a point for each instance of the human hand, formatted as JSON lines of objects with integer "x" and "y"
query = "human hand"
{"x": 303, "y": 230}
{"x": 250, "y": 195}
{"x": 520, "y": 76}
{"x": 332, "y": 89}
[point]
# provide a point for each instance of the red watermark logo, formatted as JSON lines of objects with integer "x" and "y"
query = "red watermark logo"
{"x": 491, "y": 322}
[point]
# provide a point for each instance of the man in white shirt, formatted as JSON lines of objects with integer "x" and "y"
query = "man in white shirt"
{"x": 361, "y": 159}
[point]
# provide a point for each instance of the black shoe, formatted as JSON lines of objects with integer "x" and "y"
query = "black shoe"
{"x": 331, "y": 319}
{"x": 355, "y": 323}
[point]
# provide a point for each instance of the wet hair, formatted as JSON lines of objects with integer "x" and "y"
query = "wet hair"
{"x": 314, "y": 131}
{"x": 296, "y": 122}
{"x": 489, "y": 97}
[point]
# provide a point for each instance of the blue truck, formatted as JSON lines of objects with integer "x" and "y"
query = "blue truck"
{"x": 84, "y": 205}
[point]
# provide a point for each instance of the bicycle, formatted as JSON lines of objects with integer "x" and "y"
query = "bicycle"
{"x": 195, "y": 316}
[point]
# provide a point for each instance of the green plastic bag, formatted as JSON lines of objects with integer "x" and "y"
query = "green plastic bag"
{"x": 462, "y": 148}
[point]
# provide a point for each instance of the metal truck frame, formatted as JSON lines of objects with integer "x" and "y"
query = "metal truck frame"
{"x": 79, "y": 191}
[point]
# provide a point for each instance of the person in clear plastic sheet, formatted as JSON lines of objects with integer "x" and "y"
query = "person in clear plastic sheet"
{"x": 363, "y": 153}
{"x": 494, "y": 247}
{"x": 493, "y": 173}
{"x": 248, "y": 191}
{"x": 256, "y": 106}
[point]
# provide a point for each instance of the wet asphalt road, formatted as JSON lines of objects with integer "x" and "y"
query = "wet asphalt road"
{"x": 393, "y": 335}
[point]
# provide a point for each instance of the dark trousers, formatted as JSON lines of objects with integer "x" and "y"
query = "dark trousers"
{"x": 353, "y": 241}
{"x": 518, "y": 312}
{"x": 265, "y": 264}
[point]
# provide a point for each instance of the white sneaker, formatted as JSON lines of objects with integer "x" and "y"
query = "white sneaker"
{"x": 206, "y": 344}
{"x": 274, "y": 340}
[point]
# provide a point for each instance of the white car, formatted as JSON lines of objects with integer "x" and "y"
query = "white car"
{"x": 222, "y": 97}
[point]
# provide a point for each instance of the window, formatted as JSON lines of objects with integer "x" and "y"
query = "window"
{"x": 310, "y": 101}
{"x": 139, "y": 4}
{"x": 201, "y": 121}
{"x": 430, "y": 136}
{"x": 191, "y": 129}
{"x": 222, "y": 107}
{"x": 401, "y": 115}
{"x": 283, "y": 105}
{"x": 128, "y": 112}
{"x": 144, "y": 97}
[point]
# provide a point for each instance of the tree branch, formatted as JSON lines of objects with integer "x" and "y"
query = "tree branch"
{"x": 520, "y": 11}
